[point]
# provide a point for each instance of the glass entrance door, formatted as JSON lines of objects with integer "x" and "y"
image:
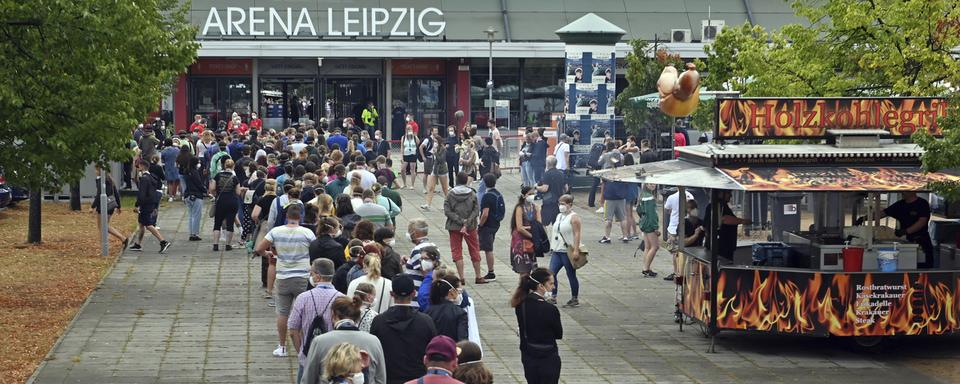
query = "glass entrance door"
{"x": 421, "y": 97}
{"x": 287, "y": 102}
{"x": 347, "y": 97}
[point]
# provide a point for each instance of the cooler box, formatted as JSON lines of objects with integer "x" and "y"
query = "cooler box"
{"x": 772, "y": 255}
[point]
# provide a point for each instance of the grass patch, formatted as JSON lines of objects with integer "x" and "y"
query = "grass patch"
{"x": 44, "y": 285}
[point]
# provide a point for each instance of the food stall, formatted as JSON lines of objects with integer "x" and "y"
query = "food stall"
{"x": 843, "y": 275}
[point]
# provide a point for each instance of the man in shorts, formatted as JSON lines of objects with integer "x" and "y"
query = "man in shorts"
{"x": 672, "y": 205}
{"x": 291, "y": 247}
{"x": 146, "y": 207}
{"x": 615, "y": 208}
{"x": 462, "y": 211}
{"x": 492, "y": 211}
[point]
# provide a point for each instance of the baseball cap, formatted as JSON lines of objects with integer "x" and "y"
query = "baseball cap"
{"x": 443, "y": 347}
{"x": 403, "y": 285}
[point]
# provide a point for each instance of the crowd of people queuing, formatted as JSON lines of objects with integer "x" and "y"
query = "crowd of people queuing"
{"x": 319, "y": 206}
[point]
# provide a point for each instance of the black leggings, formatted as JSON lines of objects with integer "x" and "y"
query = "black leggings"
{"x": 224, "y": 215}
{"x": 541, "y": 370}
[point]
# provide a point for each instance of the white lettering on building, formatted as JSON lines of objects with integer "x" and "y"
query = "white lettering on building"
{"x": 384, "y": 22}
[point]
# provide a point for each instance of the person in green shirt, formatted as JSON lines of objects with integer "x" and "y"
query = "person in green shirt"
{"x": 370, "y": 117}
{"x": 335, "y": 187}
{"x": 649, "y": 225}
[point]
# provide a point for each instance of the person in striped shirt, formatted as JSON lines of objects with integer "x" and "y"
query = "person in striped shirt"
{"x": 290, "y": 245}
{"x": 417, "y": 231}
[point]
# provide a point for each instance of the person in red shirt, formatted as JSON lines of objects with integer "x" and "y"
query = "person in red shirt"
{"x": 255, "y": 122}
{"x": 678, "y": 141}
{"x": 238, "y": 125}
{"x": 413, "y": 124}
{"x": 198, "y": 126}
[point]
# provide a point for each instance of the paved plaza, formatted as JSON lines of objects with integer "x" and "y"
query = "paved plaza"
{"x": 195, "y": 316}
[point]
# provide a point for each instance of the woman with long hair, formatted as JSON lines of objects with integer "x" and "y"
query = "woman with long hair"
{"x": 382, "y": 285}
{"x": 468, "y": 160}
{"x": 439, "y": 171}
{"x": 326, "y": 245}
{"x": 368, "y": 293}
{"x": 470, "y": 367}
{"x": 408, "y": 144}
{"x": 193, "y": 195}
{"x": 522, "y": 257}
{"x": 449, "y": 319}
{"x": 564, "y": 246}
{"x": 325, "y": 203}
{"x": 225, "y": 187}
{"x": 261, "y": 213}
{"x": 183, "y": 164}
{"x": 540, "y": 327}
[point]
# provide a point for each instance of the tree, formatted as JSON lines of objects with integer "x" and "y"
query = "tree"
{"x": 849, "y": 48}
{"x": 76, "y": 76}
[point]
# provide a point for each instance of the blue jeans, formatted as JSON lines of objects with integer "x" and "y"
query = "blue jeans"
{"x": 561, "y": 260}
{"x": 526, "y": 174}
{"x": 538, "y": 170}
{"x": 299, "y": 373}
{"x": 183, "y": 185}
{"x": 195, "y": 209}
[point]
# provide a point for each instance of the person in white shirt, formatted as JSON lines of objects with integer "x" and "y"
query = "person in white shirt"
{"x": 562, "y": 153}
{"x": 495, "y": 135}
{"x": 382, "y": 285}
{"x": 367, "y": 178}
{"x": 672, "y": 204}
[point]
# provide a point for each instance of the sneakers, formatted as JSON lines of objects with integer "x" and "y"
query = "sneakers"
{"x": 600, "y": 210}
{"x": 136, "y": 247}
{"x": 552, "y": 300}
{"x": 604, "y": 240}
{"x": 281, "y": 351}
{"x": 229, "y": 247}
{"x": 195, "y": 238}
{"x": 425, "y": 207}
{"x": 170, "y": 200}
{"x": 216, "y": 247}
{"x": 573, "y": 303}
{"x": 670, "y": 277}
{"x": 164, "y": 246}
{"x": 635, "y": 237}
{"x": 490, "y": 277}
{"x": 480, "y": 280}
{"x": 649, "y": 273}
{"x": 625, "y": 239}
{"x": 271, "y": 302}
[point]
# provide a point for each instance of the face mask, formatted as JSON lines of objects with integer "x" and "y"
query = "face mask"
{"x": 409, "y": 237}
{"x": 338, "y": 233}
{"x": 529, "y": 199}
{"x": 458, "y": 299}
{"x": 391, "y": 242}
{"x": 450, "y": 133}
{"x": 409, "y": 133}
{"x": 409, "y": 118}
{"x": 313, "y": 281}
{"x": 694, "y": 212}
{"x": 357, "y": 378}
{"x": 426, "y": 265}
{"x": 563, "y": 209}
{"x": 344, "y": 125}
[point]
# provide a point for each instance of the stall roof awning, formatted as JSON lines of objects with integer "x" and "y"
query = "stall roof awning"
{"x": 769, "y": 179}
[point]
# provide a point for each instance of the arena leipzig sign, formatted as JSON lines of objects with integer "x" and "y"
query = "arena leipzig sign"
{"x": 270, "y": 21}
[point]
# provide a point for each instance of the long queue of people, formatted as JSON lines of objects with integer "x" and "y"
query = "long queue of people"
{"x": 319, "y": 208}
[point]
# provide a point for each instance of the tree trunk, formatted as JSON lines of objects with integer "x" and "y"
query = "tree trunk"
{"x": 75, "y": 197}
{"x": 33, "y": 226}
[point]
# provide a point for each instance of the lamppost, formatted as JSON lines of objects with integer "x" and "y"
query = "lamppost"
{"x": 490, "y": 34}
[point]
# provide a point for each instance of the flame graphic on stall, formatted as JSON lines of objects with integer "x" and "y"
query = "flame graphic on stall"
{"x": 846, "y": 305}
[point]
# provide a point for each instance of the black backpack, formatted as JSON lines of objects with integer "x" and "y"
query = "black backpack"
{"x": 317, "y": 326}
{"x": 496, "y": 216}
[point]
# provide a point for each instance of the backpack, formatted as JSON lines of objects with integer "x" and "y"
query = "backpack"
{"x": 497, "y": 215}
{"x": 317, "y": 326}
{"x": 281, "y": 218}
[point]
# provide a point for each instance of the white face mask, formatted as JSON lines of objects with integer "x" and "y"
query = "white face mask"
{"x": 409, "y": 237}
{"x": 529, "y": 199}
{"x": 357, "y": 378}
{"x": 458, "y": 299}
{"x": 409, "y": 118}
{"x": 563, "y": 209}
{"x": 313, "y": 281}
{"x": 426, "y": 265}
{"x": 344, "y": 125}
{"x": 694, "y": 212}
{"x": 338, "y": 233}
{"x": 391, "y": 242}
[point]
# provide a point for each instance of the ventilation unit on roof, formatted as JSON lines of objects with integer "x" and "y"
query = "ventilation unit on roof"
{"x": 680, "y": 36}
{"x": 710, "y": 29}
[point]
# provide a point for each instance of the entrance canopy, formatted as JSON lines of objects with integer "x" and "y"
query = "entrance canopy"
{"x": 759, "y": 168}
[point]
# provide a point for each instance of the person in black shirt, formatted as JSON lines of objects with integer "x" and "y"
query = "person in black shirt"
{"x": 551, "y": 186}
{"x": 540, "y": 327}
{"x": 596, "y": 151}
{"x": 727, "y": 242}
{"x": 693, "y": 226}
{"x": 913, "y": 215}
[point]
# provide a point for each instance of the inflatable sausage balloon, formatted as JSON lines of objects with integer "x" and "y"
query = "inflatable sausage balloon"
{"x": 679, "y": 95}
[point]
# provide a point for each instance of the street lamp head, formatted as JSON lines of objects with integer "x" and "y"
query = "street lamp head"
{"x": 489, "y": 84}
{"x": 490, "y": 33}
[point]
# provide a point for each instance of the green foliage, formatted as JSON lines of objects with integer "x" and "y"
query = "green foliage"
{"x": 77, "y": 75}
{"x": 943, "y": 154}
{"x": 643, "y": 69}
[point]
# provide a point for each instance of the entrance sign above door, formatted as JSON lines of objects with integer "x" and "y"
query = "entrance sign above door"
{"x": 270, "y": 21}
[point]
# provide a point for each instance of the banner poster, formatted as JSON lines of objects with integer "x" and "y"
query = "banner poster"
{"x": 837, "y": 303}
{"x": 590, "y": 85}
{"x": 835, "y": 178}
{"x": 813, "y": 117}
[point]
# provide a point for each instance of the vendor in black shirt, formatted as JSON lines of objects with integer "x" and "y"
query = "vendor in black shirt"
{"x": 727, "y": 242}
{"x": 913, "y": 214}
{"x": 693, "y": 227}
